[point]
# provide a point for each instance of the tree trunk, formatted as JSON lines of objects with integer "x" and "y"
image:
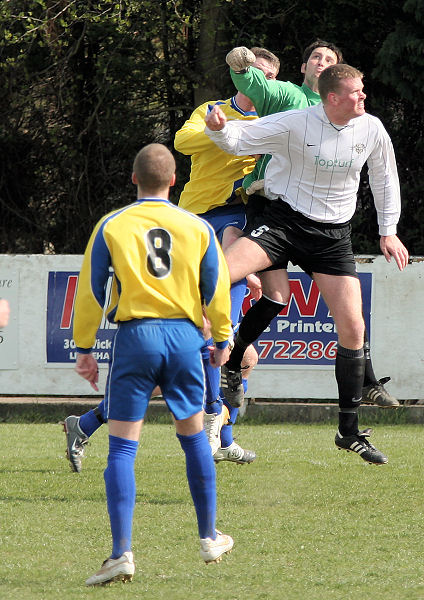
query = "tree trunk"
{"x": 213, "y": 47}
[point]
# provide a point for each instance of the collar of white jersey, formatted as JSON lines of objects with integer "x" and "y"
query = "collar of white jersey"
{"x": 323, "y": 115}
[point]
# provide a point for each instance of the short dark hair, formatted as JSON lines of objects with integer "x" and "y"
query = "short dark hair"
{"x": 330, "y": 81}
{"x": 267, "y": 55}
{"x": 154, "y": 167}
{"x": 322, "y": 44}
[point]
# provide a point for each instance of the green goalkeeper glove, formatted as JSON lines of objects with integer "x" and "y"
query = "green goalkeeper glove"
{"x": 240, "y": 59}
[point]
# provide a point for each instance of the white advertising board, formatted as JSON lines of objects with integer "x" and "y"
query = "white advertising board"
{"x": 9, "y": 289}
{"x": 296, "y": 352}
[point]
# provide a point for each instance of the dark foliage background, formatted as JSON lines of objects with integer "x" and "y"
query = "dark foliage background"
{"x": 85, "y": 84}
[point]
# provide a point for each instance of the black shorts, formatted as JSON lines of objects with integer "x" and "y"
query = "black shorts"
{"x": 255, "y": 208}
{"x": 287, "y": 235}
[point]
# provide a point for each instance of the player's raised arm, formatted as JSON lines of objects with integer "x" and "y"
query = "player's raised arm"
{"x": 255, "y": 77}
{"x": 262, "y": 136}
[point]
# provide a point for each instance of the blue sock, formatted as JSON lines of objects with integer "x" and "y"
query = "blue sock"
{"x": 120, "y": 492}
{"x": 201, "y": 480}
{"x": 237, "y": 292}
{"x": 227, "y": 430}
{"x": 92, "y": 420}
{"x": 213, "y": 402}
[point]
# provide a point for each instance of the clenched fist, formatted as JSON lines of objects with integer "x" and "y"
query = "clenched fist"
{"x": 240, "y": 58}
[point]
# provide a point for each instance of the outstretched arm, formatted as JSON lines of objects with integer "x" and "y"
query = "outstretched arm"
{"x": 246, "y": 138}
{"x": 392, "y": 246}
{"x": 267, "y": 94}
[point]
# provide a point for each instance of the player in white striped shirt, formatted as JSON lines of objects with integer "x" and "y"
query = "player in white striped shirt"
{"x": 270, "y": 97}
{"x": 313, "y": 178}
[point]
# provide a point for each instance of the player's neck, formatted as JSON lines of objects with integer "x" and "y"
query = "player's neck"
{"x": 336, "y": 119}
{"x": 312, "y": 84}
{"x": 244, "y": 102}
{"x": 162, "y": 193}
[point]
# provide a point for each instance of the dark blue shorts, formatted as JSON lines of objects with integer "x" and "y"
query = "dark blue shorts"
{"x": 220, "y": 218}
{"x": 151, "y": 352}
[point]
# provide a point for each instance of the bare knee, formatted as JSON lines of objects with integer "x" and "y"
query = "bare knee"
{"x": 351, "y": 335}
{"x": 190, "y": 426}
{"x": 250, "y": 360}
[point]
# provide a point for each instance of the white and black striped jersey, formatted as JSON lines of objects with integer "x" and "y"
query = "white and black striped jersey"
{"x": 315, "y": 165}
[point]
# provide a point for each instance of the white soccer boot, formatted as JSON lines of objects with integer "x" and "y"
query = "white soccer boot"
{"x": 114, "y": 569}
{"x": 212, "y": 550}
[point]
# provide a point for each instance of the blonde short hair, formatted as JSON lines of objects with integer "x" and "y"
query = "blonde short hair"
{"x": 154, "y": 167}
{"x": 330, "y": 78}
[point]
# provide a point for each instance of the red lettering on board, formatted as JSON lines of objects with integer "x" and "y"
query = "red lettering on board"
{"x": 68, "y": 303}
{"x": 306, "y": 301}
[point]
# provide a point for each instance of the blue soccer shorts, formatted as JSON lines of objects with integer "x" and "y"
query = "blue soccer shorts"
{"x": 220, "y": 218}
{"x": 151, "y": 352}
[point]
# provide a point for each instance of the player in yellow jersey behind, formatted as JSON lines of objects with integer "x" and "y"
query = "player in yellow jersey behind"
{"x": 168, "y": 268}
{"x": 214, "y": 192}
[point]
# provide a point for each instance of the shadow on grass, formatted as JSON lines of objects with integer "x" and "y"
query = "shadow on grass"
{"x": 256, "y": 413}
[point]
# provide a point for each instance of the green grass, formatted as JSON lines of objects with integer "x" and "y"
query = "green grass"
{"x": 309, "y": 522}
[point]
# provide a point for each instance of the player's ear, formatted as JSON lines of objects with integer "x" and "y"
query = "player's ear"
{"x": 173, "y": 180}
{"x": 332, "y": 98}
{"x": 303, "y": 68}
{"x": 134, "y": 178}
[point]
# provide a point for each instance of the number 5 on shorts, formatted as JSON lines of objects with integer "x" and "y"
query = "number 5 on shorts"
{"x": 259, "y": 231}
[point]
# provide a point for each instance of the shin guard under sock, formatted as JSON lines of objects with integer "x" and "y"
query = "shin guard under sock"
{"x": 120, "y": 492}
{"x": 350, "y": 366}
{"x": 213, "y": 403}
{"x": 201, "y": 480}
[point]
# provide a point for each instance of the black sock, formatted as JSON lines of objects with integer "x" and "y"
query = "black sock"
{"x": 348, "y": 422}
{"x": 255, "y": 321}
{"x": 237, "y": 353}
{"x": 350, "y": 366}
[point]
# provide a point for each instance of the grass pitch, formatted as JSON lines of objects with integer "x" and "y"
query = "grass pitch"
{"x": 309, "y": 521}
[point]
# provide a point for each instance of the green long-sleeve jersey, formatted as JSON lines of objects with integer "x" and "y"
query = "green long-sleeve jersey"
{"x": 270, "y": 96}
